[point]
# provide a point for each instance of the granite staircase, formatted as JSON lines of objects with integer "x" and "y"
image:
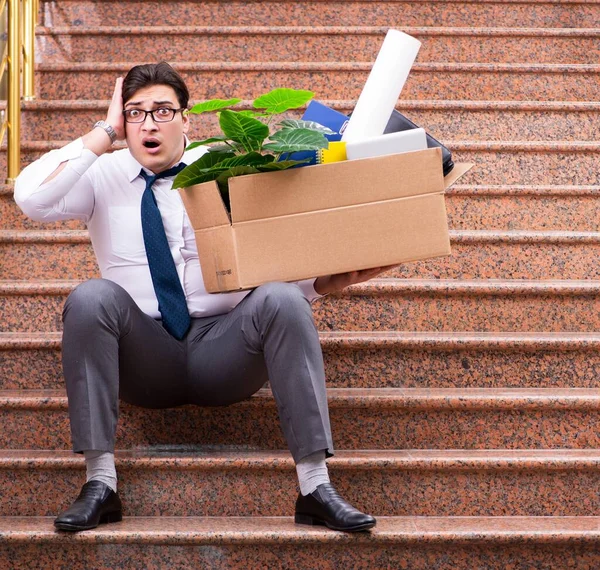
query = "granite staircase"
{"x": 463, "y": 390}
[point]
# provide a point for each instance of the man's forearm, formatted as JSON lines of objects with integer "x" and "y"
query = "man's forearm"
{"x": 97, "y": 140}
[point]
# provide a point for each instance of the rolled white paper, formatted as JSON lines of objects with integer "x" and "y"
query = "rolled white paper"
{"x": 383, "y": 87}
{"x": 392, "y": 143}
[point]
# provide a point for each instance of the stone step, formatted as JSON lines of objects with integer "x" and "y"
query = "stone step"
{"x": 380, "y": 304}
{"x": 526, "y": 163}
{"x": 371, "y": 418}
{"x": 338, "y": 80}
{"x": 454, "y": 305}
{"x": 221, "y": 543}
{"x": 313, "y": 43}
{"x": 504, "y": 13}
{"x": 56, "y": 254}
{"x": 469, "y": 207}
{"x": 532, "y": 208}
{"x": 496, "y": 163}
{"x": 263, "y": 483}
{"x": 66, "y": 252}
{"x": 446, "y": 120}
{"x": 381, "y": 360}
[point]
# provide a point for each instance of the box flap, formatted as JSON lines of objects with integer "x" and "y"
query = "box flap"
{"x": 325, "y": 186}
{"x": 204, "y": 206}
{"x": 459, "y": 169}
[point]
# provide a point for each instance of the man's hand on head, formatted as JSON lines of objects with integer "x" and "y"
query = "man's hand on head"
{"x": 114, "y": 116}
{"x": 98, "y": 140}
{"x": 332, "y": 283}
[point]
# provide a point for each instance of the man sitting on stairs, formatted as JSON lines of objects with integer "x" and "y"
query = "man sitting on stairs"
{"x": 148, "y": 332}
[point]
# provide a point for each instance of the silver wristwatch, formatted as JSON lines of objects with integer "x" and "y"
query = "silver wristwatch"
{"x": 109, "y": 130}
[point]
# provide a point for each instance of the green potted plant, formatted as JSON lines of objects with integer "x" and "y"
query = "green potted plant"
{"x": 247, "y": 145}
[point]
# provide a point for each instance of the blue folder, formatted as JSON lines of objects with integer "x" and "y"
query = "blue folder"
{"x": 327, "y": 117}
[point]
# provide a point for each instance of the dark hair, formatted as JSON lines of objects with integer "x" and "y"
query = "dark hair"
{"x": 162, "y": 73}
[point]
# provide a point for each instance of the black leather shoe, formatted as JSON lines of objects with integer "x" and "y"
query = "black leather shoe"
{"x": 97, "y": 503}
{"x": 324, "y": 506}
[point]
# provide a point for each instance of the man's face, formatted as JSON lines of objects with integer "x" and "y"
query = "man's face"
{"x": 156, "y": 145}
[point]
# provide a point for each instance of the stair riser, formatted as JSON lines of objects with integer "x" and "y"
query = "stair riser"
{"x": 519, "y": 167}
{"x": 340, "y": 84}
{"x": 404, "y": 311}
{"x": 242, "y": 491}
{"x": 51, "y": 261}
{"x": 340, "y": 13}
{"x": 37, "y": 368}
{"x": 378, "y": 367}
{"x": 508, "y": 261}
{"x": 465, "y": 212}
{"x": 466, "y": 368}
{"x": 468, "y": 261}
{"x": 308, "y": 47}
{"x": 491, "y": 555}
{"x": 525, "y": 212}
{"x": 12, "y": 218}
{"x": 530, "y": 167}
{"x": 444, "y": 124}
{"x": 257, "y": 427}
{"x": 439, "y": 312}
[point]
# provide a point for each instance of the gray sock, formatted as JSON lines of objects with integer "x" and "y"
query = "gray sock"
{"x": 312, "y": 472}
{"x": 100, "y": 466}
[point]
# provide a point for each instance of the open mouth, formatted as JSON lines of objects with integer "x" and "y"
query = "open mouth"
{"x": 151, "y": 144}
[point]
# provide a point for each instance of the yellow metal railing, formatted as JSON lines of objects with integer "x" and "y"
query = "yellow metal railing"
{"x": 18, "y": 61}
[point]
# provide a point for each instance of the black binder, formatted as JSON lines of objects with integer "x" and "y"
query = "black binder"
{"x": 398, "y": 122}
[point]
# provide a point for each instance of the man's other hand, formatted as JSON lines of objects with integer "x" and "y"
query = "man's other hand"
{"x": 331, "y": 283}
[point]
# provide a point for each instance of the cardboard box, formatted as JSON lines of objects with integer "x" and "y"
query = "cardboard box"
{"x": 319, "y": 220}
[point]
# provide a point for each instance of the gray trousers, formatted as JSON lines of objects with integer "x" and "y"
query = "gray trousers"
{"x": 112, "y": 350}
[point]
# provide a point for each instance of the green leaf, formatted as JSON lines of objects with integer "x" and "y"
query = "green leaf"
{"x": 283, "y": 165}
{"x": 193, "y": 145}
{"x": 299, "y": 124}
{"x": 250, "y": 159}
{"x": 205, "y": 142}
{"x": 254, "y": 114}
{"x": 236, "y": 171}
{"x": 281, "y": 100}
{"x": 199, "y": 179}
{"x": 294, "y": 140}
{"x": 196, "y": 172}
{"x": 232, "y": 146}
{"x": 248, "y": 131}
{"x": 212, "y": 105}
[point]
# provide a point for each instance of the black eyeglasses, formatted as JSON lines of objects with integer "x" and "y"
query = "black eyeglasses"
{"x": 160, "y": 115}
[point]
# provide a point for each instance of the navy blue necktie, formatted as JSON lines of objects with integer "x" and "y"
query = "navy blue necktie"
{"x": 170, "y": 295}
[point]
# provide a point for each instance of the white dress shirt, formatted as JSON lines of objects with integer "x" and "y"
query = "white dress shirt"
{"x": 105, "y": 192}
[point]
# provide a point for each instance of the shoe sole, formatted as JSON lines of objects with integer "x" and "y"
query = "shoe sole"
{"x": 104, "y": 519}
{"x": 313, "y": 521}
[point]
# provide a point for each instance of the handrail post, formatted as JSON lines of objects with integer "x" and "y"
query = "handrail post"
{"x": 29, "y": 21}
{"x": 14, "y": 91}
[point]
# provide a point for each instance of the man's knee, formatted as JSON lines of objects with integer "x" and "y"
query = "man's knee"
{"x": 283, "y": 299}
{"x": 93, "y": 298}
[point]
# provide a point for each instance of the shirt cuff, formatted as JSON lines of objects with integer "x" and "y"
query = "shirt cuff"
{"x": 308, "y": 288}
